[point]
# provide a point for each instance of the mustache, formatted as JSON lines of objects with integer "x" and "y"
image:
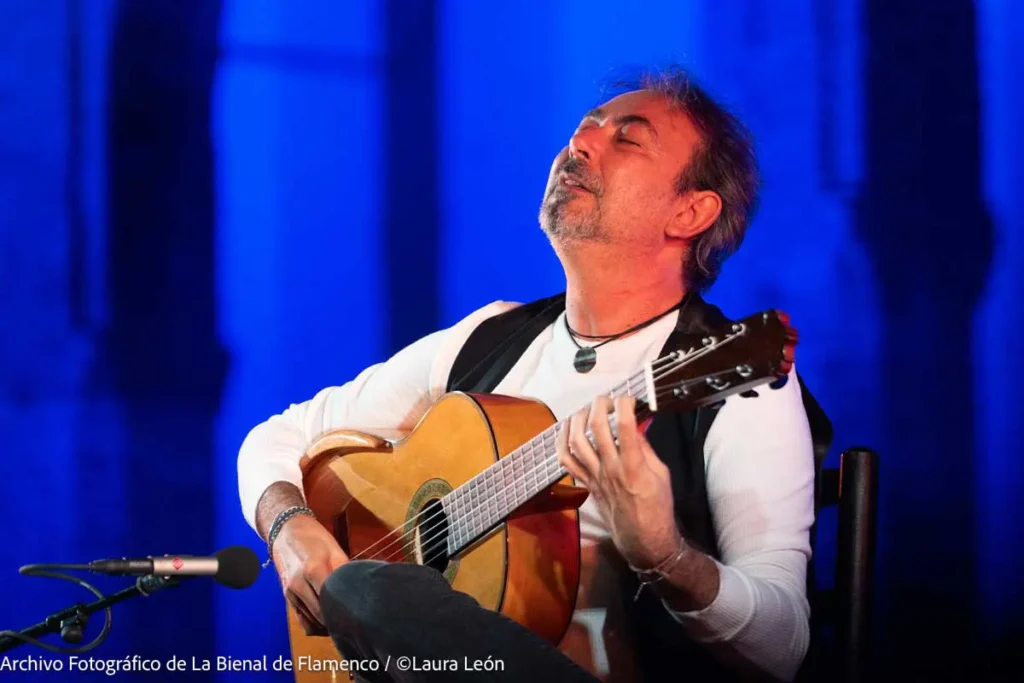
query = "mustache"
{"x": 578, "y": 170}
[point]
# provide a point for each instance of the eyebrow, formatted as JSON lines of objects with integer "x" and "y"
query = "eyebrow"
{"x": 598, "y": 113}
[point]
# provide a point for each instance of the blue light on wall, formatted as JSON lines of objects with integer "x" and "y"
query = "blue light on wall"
{"x": 299, "y": 137}
{"x": 375, "y": 172}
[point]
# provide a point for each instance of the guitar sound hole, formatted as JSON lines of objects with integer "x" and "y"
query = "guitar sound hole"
{"x": 432, "y": 536}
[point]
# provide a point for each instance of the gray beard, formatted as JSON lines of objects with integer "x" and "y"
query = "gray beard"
{"x": 561, "y": 225}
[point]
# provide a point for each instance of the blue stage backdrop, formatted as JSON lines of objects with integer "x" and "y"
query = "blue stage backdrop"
{"x": 213, "y": 209}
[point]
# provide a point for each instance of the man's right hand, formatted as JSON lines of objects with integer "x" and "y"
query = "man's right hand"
{"x": 305, "y": 554}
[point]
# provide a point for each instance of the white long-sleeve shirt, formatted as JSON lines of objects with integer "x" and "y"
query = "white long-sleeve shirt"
{"x": 759, "y": 470}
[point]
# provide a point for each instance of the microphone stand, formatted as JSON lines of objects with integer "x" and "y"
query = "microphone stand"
{"x": 70, "y": 622}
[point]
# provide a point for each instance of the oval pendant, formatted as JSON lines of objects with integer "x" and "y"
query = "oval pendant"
{"x": 585, "y": 359}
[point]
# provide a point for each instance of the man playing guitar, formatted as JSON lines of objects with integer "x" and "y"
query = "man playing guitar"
{"x": 653, "y": 192}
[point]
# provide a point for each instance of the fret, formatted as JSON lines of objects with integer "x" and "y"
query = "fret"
{"x": 453, "y": 518}
{"x": 478, "y": 503}
{"x": 556, "y": 470}
{"x": 528, "y": 490}
{"x": 487, "y": 500}
{"x": 500, "y": 488}
{"x": 522, "y": 481}
{"x": 551, "y": 460}
{"x": 520, "y": 489}
{"x": 467, "y": 524}
{"x": 541, "y": 460}
{"x": 506, "y": 488}
{"x": 509, "y": 492}
{"x": 531, "y": 479}
{"x": 497, "y": 492}
{"x": 457, "y": 541}
{"x": 526, "y": 464}
{"x": 452, "y": 535}
{"x": 492, "y": 502}
{"x": 485, "y": 495}
{"x": 529, "y": 455}
{"x": 508, "y": 475}
{"x": 508, "y": 480}
{"x": 474, "y": 495}
{"x": 553, "y": 469}
{"x": 463, "y": 517}
{"x": 464, "y": 508}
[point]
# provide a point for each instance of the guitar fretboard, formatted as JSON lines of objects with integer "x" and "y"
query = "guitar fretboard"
{"x": 486, "y": 500}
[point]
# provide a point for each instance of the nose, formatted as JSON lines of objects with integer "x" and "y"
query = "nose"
{"x": 581, "y": 145}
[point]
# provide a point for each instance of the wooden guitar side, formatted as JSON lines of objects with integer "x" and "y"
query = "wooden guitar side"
{"x": 361, "y": 487}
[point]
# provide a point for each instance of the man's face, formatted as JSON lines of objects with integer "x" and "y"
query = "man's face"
{"x": 615, "y": 181}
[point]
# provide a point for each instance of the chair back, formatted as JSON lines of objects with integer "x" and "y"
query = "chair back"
{"x": 844, "y": 611}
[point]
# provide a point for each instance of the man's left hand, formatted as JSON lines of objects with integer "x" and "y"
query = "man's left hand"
{"x": 628, "y": 481}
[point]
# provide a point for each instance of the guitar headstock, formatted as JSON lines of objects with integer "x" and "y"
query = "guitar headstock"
{"x": 706, "y": 369}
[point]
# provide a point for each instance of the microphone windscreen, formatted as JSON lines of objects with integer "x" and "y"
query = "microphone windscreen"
{"x": 237, "y": 567}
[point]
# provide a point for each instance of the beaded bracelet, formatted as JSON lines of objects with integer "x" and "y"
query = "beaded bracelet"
{"x": 661, "y": 571}
{"x": 279, "y": 521}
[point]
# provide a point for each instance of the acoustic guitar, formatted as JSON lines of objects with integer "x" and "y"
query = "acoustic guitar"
{"x": 476, "y": 491}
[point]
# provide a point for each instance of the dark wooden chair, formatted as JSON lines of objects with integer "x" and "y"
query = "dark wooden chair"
{"x": 841, "y": 614}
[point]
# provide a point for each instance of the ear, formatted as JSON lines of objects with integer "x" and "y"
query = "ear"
{"x": 697, "y": 211}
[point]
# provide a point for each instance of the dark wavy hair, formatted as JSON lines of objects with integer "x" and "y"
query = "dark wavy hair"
{"x": 724, "y": 163}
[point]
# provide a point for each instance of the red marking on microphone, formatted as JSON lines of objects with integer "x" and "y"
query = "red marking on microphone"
{"x": 177, "y": 562}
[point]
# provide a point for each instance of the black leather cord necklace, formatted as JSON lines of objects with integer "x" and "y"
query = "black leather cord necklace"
{"x": 586, "y": 357}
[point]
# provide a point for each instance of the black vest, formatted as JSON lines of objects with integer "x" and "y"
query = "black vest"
{"x": 660, "y": 643}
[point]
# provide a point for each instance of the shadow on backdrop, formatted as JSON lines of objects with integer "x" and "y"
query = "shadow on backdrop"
{"x": 159, "y": 361}
{"x": 922, "y": 217}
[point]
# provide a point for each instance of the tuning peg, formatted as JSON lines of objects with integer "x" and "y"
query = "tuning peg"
{"x": 780, "y": 382}
{"x": 749, "y": 393}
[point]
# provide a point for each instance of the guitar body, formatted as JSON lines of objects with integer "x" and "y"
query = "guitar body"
{"x": 514, "y": 531}
{"x": 363, "y": 487}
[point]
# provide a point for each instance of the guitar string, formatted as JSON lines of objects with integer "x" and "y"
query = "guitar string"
{"x": 545, "y": 464}
{"x": 561, "y": 473}
{"x": 666, "y": 365}
{"x": 415, "y": 519}
{"x": 426, "y": 543}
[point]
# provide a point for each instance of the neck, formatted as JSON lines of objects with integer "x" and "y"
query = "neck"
{"x": 606, "y": 294}
{"x": 521, "y": 475}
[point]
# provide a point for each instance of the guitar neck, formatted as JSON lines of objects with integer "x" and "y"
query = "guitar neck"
{"x": 704, "y": 374}
{"x": 489, "y": 498}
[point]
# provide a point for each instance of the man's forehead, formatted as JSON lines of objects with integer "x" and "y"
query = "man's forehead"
{"x": 651, "y": 105}
{"x": 633, "y": 102}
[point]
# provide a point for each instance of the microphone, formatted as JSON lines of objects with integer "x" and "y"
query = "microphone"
{"x": 235, "y": 567}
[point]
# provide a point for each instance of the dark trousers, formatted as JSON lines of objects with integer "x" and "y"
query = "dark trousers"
{"x": 405, "y": 616}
